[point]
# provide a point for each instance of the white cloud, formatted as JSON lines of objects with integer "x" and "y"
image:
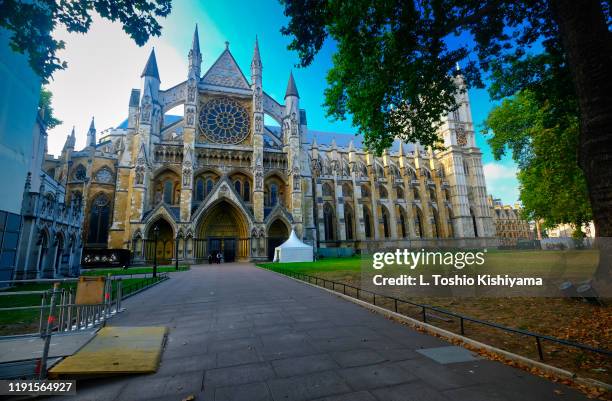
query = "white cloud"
{"x": 103, "y": 66}
{"x": 502, "y": 182}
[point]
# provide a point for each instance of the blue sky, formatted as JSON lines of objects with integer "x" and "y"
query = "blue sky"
{"x": 103, "y": 65}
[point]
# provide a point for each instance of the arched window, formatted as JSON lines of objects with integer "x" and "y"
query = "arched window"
{"x": 209, "y": 186}
{"x": 466, "y": 170}
{"x": 416, "y": 193}
{"x": 168, "y": 192}
{"x": 399, "y": 192}
{"x": 451, "y": 231}
{"x": 80, "y": 173}
{"x": 273, "y": 194}
{"x": 418, "y": 222}
{"x": 247, "y": 192}
{"x": 328, "y": 222}
{"x": 77, "y": 199}
{"x": 238, "y": 187}
{"x": 327, "y": 190}
{"x": 385, "y": 217}
{"x": 199, "y": 189}
{"x": 402, "y": 222}
{"x": 348, "y": 221}
{"x": 347, "y": 192}
{"x": 382, "y": 192}
{"x": 474, "y": 223}
{"x": 99, "y": 219}
{"x": 44, "y": 247}
{"x": 58, "y": 253}
{"x": 434, "y": 225}
{"x": 367, "y": 222}
{"x": 365, "y": 192}
{"x": 432, "y": 195}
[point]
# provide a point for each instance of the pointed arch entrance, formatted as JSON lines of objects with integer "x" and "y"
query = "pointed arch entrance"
{"x": 223, "y": 228}
{"x": 160, "y": 244}
{"x": 278, "y": 232}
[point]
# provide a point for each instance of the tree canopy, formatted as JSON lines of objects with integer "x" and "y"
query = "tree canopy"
{"x": 552, "y": 185}
{"x": 44, "y": 105}
{"x": 395, "y": 60}
{"x": 32, "y": 24}
{"x": 393, "y": 67}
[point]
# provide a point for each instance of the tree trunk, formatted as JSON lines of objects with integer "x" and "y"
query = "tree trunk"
{"x": 588, "y": 45}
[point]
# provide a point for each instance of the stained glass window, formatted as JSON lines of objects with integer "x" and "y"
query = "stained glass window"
{"x": 224, "y": 121}
{"x": 80, "y": 173}
{"x": 247, "y": 192}
{"x": 104, "y": 175}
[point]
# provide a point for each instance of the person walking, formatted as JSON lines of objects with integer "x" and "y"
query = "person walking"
{"x": 219, "y": 257}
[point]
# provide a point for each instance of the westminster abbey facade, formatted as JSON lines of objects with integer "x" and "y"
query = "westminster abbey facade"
{"x": 217, "y": 178}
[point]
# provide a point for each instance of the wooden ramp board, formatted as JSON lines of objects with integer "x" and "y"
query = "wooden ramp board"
{"x": 115, "y": 351}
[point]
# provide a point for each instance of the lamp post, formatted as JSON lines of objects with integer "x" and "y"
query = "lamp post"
{"x": 176, "y": 252}
{"x": 155, "y": 236}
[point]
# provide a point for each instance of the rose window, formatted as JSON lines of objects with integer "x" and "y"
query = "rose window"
{"x": 224, "y": 121}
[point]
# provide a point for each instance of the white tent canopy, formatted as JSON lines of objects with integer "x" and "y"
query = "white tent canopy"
{"x": 293, "y": 250}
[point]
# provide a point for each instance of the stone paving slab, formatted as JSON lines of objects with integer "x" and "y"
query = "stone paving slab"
{"x": 31, "y": 347}
{"x": 237, "y": 332}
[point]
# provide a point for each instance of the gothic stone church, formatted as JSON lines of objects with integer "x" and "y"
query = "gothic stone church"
{"x": 218, "y": 179}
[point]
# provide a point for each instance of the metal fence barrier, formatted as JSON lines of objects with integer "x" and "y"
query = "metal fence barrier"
{"x": 358, "y": 292}
{"x": 68, "y": 316}
{"x": 60, "y": 314}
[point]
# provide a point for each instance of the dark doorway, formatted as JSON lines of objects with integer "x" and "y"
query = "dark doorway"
{"x": 277, "y": 234}
{"x": 225, "y": 246}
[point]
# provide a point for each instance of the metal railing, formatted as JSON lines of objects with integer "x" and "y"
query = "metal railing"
{"x": 424, "y": 308}
{"x": 68, "y": 316}
{"x": 59, "y": 312}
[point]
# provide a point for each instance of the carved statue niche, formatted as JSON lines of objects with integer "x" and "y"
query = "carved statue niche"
{"x": 258, "y": 125}
{"x": 190, "y": 116}
{"x": 186, "y": 177}
{"x": 294, "y": 125}
{"x": 258, "y": 100}
{"x": 259, "y": 180}
{"x": 315, "y": 166}
{"x": 146, "y": 109}
{"x": 191, "y": 90}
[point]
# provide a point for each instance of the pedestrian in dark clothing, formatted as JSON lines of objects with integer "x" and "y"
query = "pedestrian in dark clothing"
{"x": 210, "y": 259}
{"x": 219, "y": 257}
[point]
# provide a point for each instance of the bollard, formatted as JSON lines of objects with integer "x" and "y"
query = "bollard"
{"x": 50, "y": 320}
{"x": 43, "y": 301}
{"x": 119, "y": 295}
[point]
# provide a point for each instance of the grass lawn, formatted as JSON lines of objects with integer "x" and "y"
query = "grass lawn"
{"x": 26, "y": 321}
{"x": 132, "y": 270}
{"x": 558, "y": 317}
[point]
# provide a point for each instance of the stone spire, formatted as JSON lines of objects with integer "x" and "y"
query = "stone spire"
{"x": 256, "y": 61}
{"x": 291, "y": 88}
{"x": 256, "y": 66}
{"x": 195, "y": 43}
{"x": 91, "y": 134}
{"x": 195, "y": 57}
{"x": 70, "y": 140}
{"x": 150, "y": 69}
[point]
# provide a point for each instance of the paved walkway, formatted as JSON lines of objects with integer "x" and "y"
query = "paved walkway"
{"x": 241, "y": 333}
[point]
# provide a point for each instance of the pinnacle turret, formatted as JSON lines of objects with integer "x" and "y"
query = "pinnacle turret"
{"x": 150, "y": 69}
{"x": 291, "y": 87}
{"x": 91, "y": 134}
{"x": 195, "y": 57}
{"x": 195, "y": 43}
{"x": 256, "y": 61}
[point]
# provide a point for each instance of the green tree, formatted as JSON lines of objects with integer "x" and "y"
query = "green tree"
{"x": 32, "y": 23}
{"x": 44, "y": 105}
{"x": 552, "y": 185}
{"x": 394, "y": 63}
